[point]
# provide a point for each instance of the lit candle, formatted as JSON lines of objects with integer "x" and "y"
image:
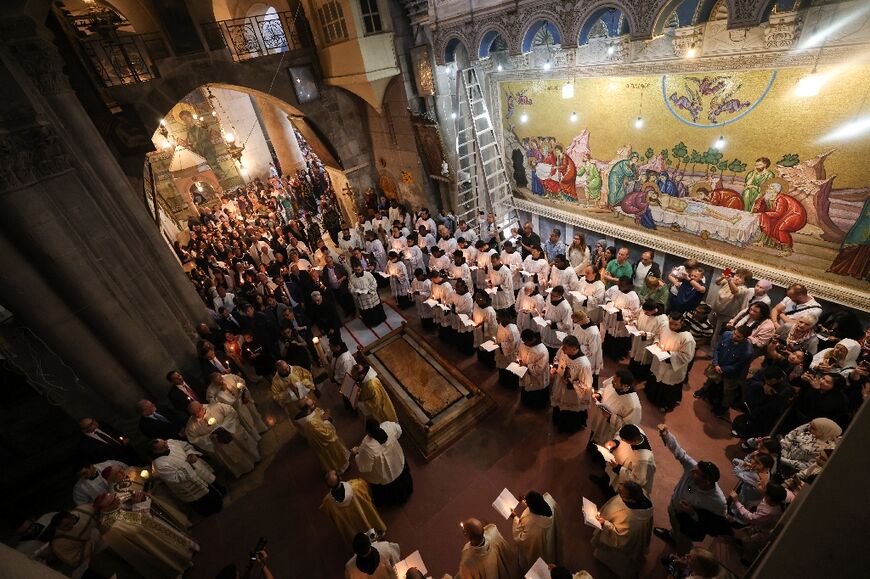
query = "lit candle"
{"x": 239, "y": 385}
{"x": 144, "y": 473}
{"x": 212, "y": 421}
{"x": 318, "y": 347}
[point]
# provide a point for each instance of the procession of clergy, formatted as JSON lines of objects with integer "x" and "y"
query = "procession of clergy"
{"x": 542, "y": 319}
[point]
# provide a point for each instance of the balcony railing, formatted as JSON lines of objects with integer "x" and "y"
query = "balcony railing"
{"x": 254, "y": 36}
{"x": 124, "y": 59}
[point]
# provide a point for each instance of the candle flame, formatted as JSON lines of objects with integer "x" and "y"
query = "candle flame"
{"x": 144, "y": 473}
{"x": 212, "y": 421}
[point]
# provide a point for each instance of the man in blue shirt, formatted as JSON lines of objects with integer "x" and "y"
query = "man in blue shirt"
{"x": 730, "y": 360}
{"x": 554, "y": 246}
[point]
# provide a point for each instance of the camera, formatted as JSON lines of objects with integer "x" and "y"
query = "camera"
{"x": 261, "y": 544}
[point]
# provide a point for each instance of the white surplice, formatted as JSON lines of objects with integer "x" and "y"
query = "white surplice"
{"x": 378, "y": 463}
{"x": 240, "y": 454}
{"x": 188, "y": 482}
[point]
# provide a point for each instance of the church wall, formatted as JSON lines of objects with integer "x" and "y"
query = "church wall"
{"x": 238, "y": 111}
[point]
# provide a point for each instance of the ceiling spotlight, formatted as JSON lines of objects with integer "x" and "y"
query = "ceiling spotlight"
{"x": 611, "y": 49}
{"x": 638, "y": 123}
{"x": 573, "y": 117}
{"x": 453, "y": 115}
{"x": 568, "y": 91}
{"x": 499, "y": 68}
{"x": 524, "y": 118}
{"x": 720, "y": 143}
{"x": 548, "y": 65}
{"x": 809, "y": 85}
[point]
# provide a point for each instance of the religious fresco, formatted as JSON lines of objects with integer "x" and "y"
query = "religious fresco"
{"x": 723, "y": 160}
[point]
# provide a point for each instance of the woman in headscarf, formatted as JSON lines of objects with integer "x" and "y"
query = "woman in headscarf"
{"x": 821, "y": 397}
{"x": 802, "y": 446}
{"x": 841, "y": 359}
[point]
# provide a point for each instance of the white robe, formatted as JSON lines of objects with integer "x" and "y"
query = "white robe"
{"x": 508, "y": 340}
{"x": 364, "y": 290}
{"x": 457, "y": 272}
{"x": 502, "y": 281}
{"x": 233, "y": 394}
{"x": 537, "y": 360}
{"x": 341, "y": 367}
{"x": 567, "y": 278}
{"x": 537, "y": 266}
{"x": 561, "y": 314}
{"x": 188, "y": 482}
{"x": 528, "y": 306}
{"x": 398, "y": 273}
{"x": 623, "y": 541}
{"x": 653, "y": 326}
{"x": 484, "y": 324}
{"x": 463, "y": 304}
{"x": 626, "y": 409}
{"x": 378, "y": 463}
{"x": 590, "y": 343}
{"x": 637, "y": 465}
{"x": 514, "y": 262}
{"x": 239, "y": 455}
{"x": 537, "y": 536}
{"x": 422, "y": 290}
{"x": 628, "y": 304}
{"x": 86, "y": 490}
{"x": 443, "y": 294}
{"x": 492, "y": 559}
{"x": 572, "y": 383}
{"x": 681, "y": 346}
{"x": 594, "y": 293}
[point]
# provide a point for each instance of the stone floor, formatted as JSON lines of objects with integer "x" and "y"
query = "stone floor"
{"x": 513, "y": 447}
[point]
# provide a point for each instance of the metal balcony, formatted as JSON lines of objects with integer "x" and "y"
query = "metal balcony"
{"x": 254, "y": 36}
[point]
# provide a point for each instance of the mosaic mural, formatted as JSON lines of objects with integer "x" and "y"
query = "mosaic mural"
{"x": 726, "y": 159}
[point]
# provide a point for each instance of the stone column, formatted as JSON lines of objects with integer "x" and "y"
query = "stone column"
{"x": 281, "y": 134}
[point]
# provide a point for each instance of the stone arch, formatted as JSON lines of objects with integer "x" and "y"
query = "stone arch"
{"x": 615, "y": 20}
{"x": 685, "y": 10}
{"x": 137, "y": 13}
{"x": 445, "y": 50}
{"x": 486, "y": 36}
{"x": 582, "y": 17}
{"x": 537, "y": 20}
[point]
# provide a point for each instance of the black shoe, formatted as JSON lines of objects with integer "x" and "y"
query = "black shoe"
{"x": 663, "y": 534}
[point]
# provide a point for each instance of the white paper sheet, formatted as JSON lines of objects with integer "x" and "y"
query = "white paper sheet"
{"x": 540, "y": 321}
{"x": 632, "y": 329}
{"x": 577, "y": 296}
{"x": 658, "y": 352}
{"x": 609, "y": 308}
{"x": 466, "y": 321}
{"x": 384, "y": 275}
{"x": 504, "y": 503}
{"x": 590, "y": 511}
{"x": 360, "y": 291}
{"x": 489, "y": 346}
{"x": 491, "y": 290}
{"x": 526, "y": 273}
{"x": 606, "y": 454}
{"x": 431, "y": 303}
{"x": 412, "y": 561}
{"x": 520, "y": 371}
{"x": 561, "y": 335}
{"x": 540, "y": 570}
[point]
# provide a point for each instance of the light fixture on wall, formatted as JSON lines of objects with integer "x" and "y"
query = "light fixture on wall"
{"x": 524, "y": 117}
{"x": 809, "y": 85}
{"x": 229, "y": 137}
{"x": 499, "y": 68}
{"x": 720, "y": 143}
{"x": 568, "y": 90}
{"x": 573, "y": 117}
{"x": 610, "y": 49}
{"x": 692, "y": 52}
{"x": 453, "y": 115}
{"x": 638, "y": 123}
{"x": 548, "y": 65}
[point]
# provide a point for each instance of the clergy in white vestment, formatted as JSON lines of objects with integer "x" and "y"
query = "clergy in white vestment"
{"x": 231, "y": 389}
{"x": 153, "y": 548}
{"x": 557, "y": 314}
{"x": 438, "y": 261}
{"x": 349, "y": 505}
{"x": 626, "y": 527}
{"x": 665, "y": 387}
{"x": 91, "y": 482}
{"x": 372, "y": 560}
{"x": 617, "y": 405}
{"x": 484, "y": 318}
{"x": 500, "y": 278}
{"x": 592, "y": 289}
{"x": 381, "y": 462}
{"x": 484, "y": 262}
{"x": 215, "y": 428}
{"x": 459, "y": 269}
{"x": 533, "y": 355}
{"x": 589, "y": 336}
{"x": 562, "y": 274}
{"x": 364, "y": 288}
{"x": 462, "y": 303}
{"x": 486, "y": 555}
{"x": 376, "y": 248}
{"x": 342, "y": 361}
{"x": 77, "y": 540}
{"x": 536, "y": 265}
{"x": 633, "y": 460}
{"x": 537, "y": 530}
{"x": 529, "y": 304}
{"x": 650, "y": 323}
{"x": 187, "y": 475}
{"x": 421, "y": 289}
{"x": 400, "y": 285}
{"x": 571, "y": 391}
{"x": 514, "y": 262}
{"x": 617, "y": 340}
{"x": 442, "y": 293}
{"x": 507, "y": 338}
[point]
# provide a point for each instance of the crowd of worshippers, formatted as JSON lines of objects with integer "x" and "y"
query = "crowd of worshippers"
{"x": 544, "y": 314}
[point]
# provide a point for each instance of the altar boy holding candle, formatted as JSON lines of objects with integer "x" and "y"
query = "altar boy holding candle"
{"x": 215, "y": 428}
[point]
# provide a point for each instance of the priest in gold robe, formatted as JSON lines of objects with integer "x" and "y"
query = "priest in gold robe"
{"x": 153, "y": 548}
{"x": 373, "y": 398}
{"x": 231, "y": 389}
{"x": 350, "y": 506}
{"x": 372, "y": 560}
{"x": 215, "y": 428}
{"x": 537, "y": 530}
{"x": 291, "y": 385}
{"x": 486, "y": 555}
{"x": 316, "y": 426}
{"x": 626, "y": 528}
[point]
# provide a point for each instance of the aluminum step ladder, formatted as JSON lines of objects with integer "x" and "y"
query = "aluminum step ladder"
{"x": 494, "y": 181}
{"x": 468, "y": 190}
